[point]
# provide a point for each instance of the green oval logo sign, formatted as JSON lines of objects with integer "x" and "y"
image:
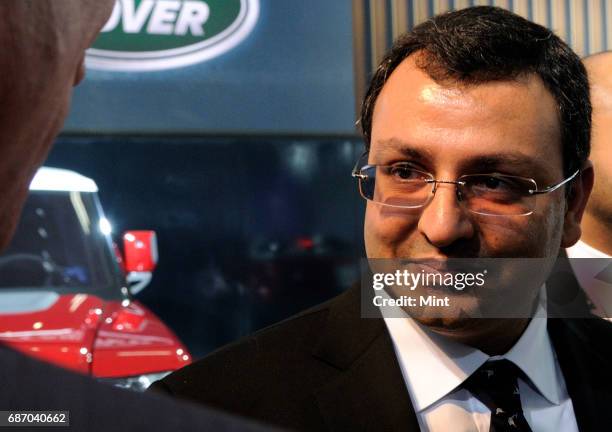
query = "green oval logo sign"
{"x": 146, "y": 35}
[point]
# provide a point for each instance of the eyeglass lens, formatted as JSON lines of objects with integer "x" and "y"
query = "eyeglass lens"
{"x": 490, "y": 194}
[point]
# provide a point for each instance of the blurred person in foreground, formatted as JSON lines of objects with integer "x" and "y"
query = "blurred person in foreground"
{"x": 43, "y": 49}
{"x": 595, "y": 276}
{"x": 479, "y": 120}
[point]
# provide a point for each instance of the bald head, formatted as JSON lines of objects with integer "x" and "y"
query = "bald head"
{"x": 599, "y": 68}
{"x": 599, "y": 209}
{"x": 43, "y": 47}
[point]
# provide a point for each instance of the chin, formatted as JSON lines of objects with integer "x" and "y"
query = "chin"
{"x": 465, "y": 330}
{"x": 451, "y": 325}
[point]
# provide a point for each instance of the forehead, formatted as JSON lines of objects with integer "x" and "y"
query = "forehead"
{"x": 459, "y": 122}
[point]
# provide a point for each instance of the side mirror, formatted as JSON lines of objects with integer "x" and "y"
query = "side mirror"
{"x": 141, "y": 257}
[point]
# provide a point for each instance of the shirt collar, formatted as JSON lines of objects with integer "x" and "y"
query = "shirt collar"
{"x": 583, "y": 250}
{"x": 433, "y": 365}
{"x": 533, "y": 354}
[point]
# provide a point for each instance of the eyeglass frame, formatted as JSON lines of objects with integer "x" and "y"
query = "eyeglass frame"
{"x": 356, "y": 173}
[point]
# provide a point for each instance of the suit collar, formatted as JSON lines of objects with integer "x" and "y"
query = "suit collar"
{"x": 368, "y": 392}
{"x": 585, "y": 369}
{"x": 565, "y": 297}
{"x": 347, "y": 336}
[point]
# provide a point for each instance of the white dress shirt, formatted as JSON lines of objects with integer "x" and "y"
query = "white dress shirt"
{"x": 434, "y": 368}
{"x": 598, "y": 291}
{"x": 583, "y": 250}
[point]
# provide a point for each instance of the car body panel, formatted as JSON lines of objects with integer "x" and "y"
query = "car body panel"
{"x": 90, "y": 336}
{"x": 131, "y": 340}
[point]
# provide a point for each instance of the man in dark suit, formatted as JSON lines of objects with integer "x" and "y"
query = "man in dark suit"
{"x": 43, "y": 48}
{"x": 477, "y": 129}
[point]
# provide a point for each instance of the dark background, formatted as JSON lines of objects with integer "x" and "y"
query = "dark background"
{"x": 241, "y": 164}
{"x": 250, "y": 231}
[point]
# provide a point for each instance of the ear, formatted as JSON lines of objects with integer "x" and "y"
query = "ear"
{"x": 576, "y": 201}
{"x": 80, "y": 71}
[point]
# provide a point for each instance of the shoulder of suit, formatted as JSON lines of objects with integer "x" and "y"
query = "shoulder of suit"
{"x": 594, "y": 333}
{"x": 278, "y": 347}
{"x": 25, "y": 384}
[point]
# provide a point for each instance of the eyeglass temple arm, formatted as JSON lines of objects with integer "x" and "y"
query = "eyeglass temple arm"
{"x": 554, "y": 187}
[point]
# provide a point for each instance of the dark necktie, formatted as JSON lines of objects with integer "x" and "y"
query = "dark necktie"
{"x": 495, "y": 384}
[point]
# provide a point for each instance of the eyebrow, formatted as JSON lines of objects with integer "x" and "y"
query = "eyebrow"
{"x": 482, "y": 164}
{"x": 516, "y": 163}
{"x": 393, "y": 146}
{"x": 505, "y": 160}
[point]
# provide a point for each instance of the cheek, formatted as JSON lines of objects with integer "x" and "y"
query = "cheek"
{"x": 386, "y": 229}
{"x": 504, "y": 236}
{"x": 533, "y": 236}
{"x": 552, "y": 226}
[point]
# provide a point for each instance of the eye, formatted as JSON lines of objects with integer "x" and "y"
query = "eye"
{"x": 405, "y": 172}
{"x": 492, "y": 183}
{"x": 498, "y": 184}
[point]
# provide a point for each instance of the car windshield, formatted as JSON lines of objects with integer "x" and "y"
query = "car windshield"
{"x": 59, "y": 246}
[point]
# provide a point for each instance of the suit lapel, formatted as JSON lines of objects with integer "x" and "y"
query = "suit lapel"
{"x": 566, "y": 299}
{"x": 369, "y": 392}
{"x": 587, "y": 373}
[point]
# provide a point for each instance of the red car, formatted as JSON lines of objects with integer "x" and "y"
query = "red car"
{"x": 66, "y": 290}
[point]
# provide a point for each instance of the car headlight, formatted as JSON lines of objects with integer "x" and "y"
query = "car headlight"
{"x": 136, "y": 383}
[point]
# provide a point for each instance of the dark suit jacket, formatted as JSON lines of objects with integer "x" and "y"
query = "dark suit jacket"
{"x": 566, "y": 299}
{"x": 328, "y": 369}
{"x": 29, "y": 385}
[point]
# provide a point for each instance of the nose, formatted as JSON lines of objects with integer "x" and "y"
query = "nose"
{"x": 443, "y": 221}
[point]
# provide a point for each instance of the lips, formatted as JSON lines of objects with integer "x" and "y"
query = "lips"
{"x": 444, "y": 265}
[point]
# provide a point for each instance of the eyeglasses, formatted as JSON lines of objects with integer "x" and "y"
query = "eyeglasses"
{"x": 400, "y": 185}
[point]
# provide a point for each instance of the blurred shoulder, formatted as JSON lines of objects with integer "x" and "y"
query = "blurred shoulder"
{"x": 586, "y": 336}
{"x": 282, "y": 351}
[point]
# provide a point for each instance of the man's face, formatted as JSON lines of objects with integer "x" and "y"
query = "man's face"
{"x": 43, "y": 44}
{"x": 504, "y": 127}
{"x": 507, "y": 127}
